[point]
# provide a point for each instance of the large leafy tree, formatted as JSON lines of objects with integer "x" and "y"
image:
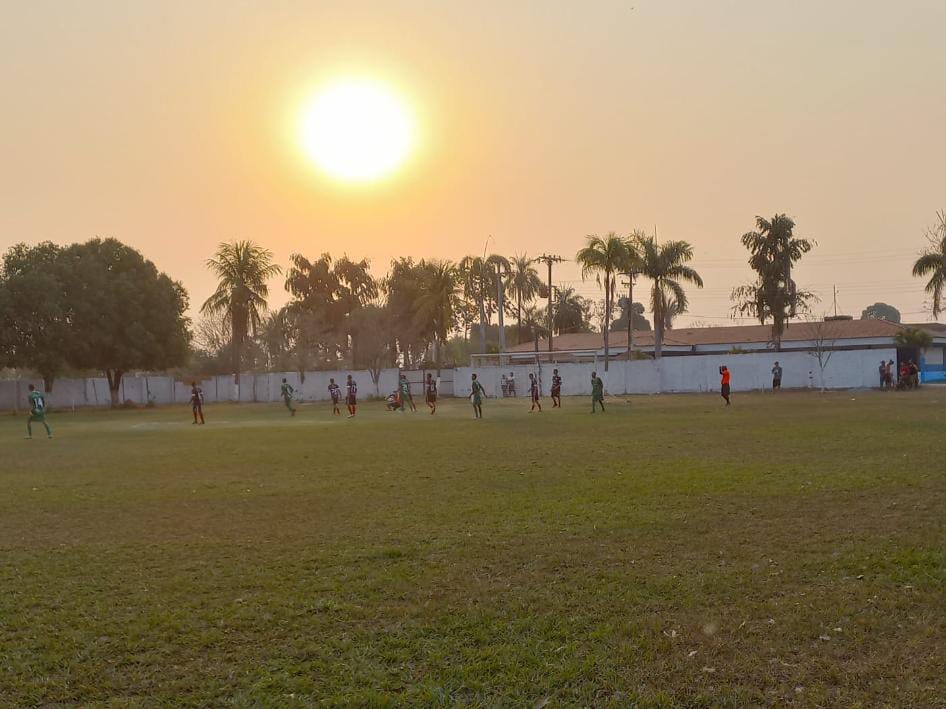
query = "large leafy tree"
{"x": 881, "y": 311}
{"x": 34, "y": 311}
{"x": 325, "y": 295}
{"x": 126, "y": 314}
{"x": 242, "y": 269}
{"x": 479, "y": 277}
{"x": 932, "y": 264}
{"x": 606, "y": 257}
{"x": 372, "y": 328}
{"x": 638, "y": 320}
{"x": 773, "y": 296}
{"x": 665, "y": 264}
{"x": 524, "y": 285}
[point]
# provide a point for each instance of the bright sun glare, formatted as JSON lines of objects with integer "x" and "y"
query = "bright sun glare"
{"x": 357, "y": 131}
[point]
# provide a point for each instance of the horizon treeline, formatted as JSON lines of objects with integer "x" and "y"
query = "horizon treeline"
{"x": 102, "y": 306}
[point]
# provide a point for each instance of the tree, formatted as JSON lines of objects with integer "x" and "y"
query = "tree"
{"x": 126, "y": 315}
{"x": 913, "y": 338}
{"x": 479, "y": 278}
{"x": 242, "y": 269}
{"x": 774, "y": 295}
{"x": 34, "y": 321}
{"x": 932, "y": 263}
{"x": 605, "y": 257}
{"x": 881, "y": 311}
{"x": 639, "y": 320}
{"x": 438, "y": 302}
{"x": 824, "y": 336}
{"x": 371, "y": 325}
{"x": 570, "y": 312}
{"x": 325, "y": 295}
{"x": 524, "y": 285}
{"x": 666, "y": 265}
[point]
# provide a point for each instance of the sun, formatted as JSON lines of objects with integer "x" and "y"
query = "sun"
{"x": 357, "y": 131}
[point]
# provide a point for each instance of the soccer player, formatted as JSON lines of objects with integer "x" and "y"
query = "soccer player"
{"x": 351, "y": 398}
{"x": 406, "y": 395}
{"x": 431, "y": 392}
{"x": 197, "y": 403}
{"x": 725, "y": 378}
{"x": 597, "y": 392}
{"x": 336, "y": 393}
{"x": 534, "y": 392}
{"x": 776, "y": 377}
{"x": 476, "y": 396}
{"x": 556, "y": 390}
{"x": 37, "y": 401}
{"x": 287, "y": 391}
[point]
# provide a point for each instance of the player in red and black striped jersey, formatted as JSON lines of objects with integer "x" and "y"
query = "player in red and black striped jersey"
{"x": 336, "y": 393}
{"x": 534, "y": 392}
{"x": 351, "y": 398}
{"x": 430, "y": 390}
{"x": 556, "y": 390}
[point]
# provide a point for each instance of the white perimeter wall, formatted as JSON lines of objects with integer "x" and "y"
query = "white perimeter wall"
{"x": 164, "y": 390}
{"x": 854, "y": 369}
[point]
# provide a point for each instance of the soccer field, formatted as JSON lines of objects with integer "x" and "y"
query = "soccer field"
{"x": 671, "y": 551}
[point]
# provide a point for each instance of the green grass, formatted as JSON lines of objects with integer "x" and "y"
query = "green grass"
{"x": 791, "y": 549}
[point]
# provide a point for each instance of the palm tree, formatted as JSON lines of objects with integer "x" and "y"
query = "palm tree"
{"x": 524, "y": 285}
{"x": 570, "y": 312}
{"x": 242, "y": 269}
{"x": 932, "y": 263}
{"x": 479, "y": 277}
{"x": 665, "y": 265}
{"x": 438, "y": 302}
{"x": 773, "y": 250}
{"x": 605, "y": 257}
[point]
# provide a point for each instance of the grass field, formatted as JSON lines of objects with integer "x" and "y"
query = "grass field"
{"x": 791, "y": 549}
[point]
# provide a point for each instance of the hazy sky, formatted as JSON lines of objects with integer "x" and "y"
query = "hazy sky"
{"x": 171, "y": 126}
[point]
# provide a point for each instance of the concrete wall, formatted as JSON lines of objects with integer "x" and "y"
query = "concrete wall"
{"x": 846, "y": 369}
{"x": 164, "y": 390}
{"x": 854, "y": 369}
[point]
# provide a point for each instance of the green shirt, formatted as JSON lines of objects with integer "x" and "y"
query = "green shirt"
{"x": 405, "y": 387}
{"x": 286, "y": 391}
{"x": 597, "y": 387}
{"x": 37, "y": 402}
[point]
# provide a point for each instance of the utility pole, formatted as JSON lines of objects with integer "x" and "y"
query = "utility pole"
{"x": 835, "y": 301}
{"x": 631, "y": 275}
{"x": 548, "y": 260}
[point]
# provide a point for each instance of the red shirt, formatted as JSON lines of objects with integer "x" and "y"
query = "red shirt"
{"x": 726, "y": 377}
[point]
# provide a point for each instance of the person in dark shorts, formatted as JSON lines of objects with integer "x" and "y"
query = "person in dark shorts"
{"x": 197, "y": 403}
{"x": 404, "y": 387}
{"x": 476, "y": 398}
{"x": 534, "y": 392}
{"x": 37, "y": 401}
{"x": 882, "y": 371}
{"x": 776, "y": 377}
{"x": 286, "y": 391}
{"x": 335, "y": 392}
{"x": 556, "y": 390}
{"x": 724, "y": 383}
{"x": 597, "y": 392}
{"x": 430, "y": 391}
{"x": 351, "y": 397}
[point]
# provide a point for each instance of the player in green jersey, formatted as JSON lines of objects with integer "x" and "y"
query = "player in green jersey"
{"x": 406, "y": 396}
{"x": 37, "y": 401}
{"x": 287, "y": 391}
{"x": 597, "y": 392}
{"x": 476, "y": 396}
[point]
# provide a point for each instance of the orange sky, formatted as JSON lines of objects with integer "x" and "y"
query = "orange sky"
{"x": 169, "y": 125}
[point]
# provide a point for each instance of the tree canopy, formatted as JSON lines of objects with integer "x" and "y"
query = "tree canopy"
{"x": 881, "y": 311}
